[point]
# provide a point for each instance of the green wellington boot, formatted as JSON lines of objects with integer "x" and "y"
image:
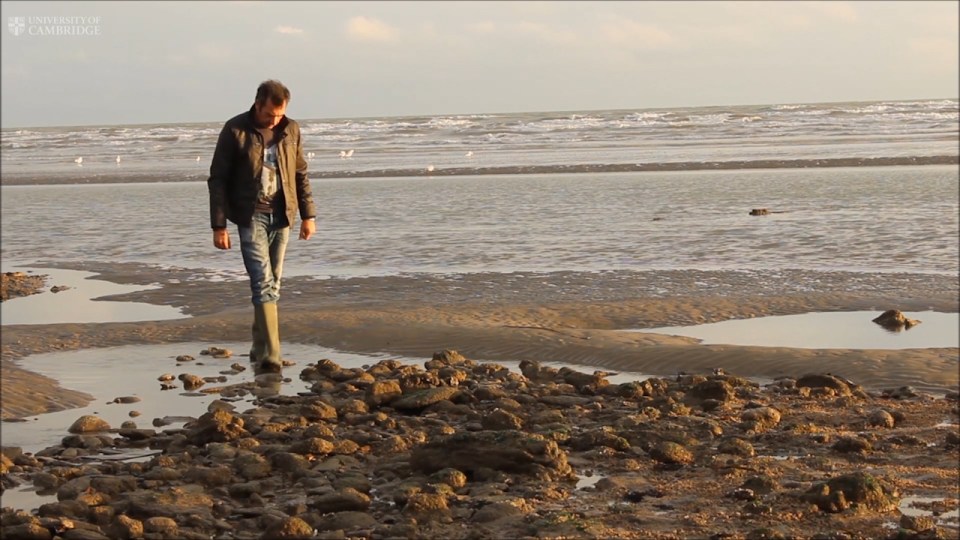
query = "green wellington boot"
{"x": 259, "y": 336}
{"x": 269, "y": 360}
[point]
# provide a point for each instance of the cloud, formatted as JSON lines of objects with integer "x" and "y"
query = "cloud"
{"x": 544, "y": 32}
{"x": 626, "y": 32}
{"x": 793, "y": 15}
{"x": 934, "y": 53}
{"x": 362, "y": 28}
{"x": 288, "y": 30}
{"x": 841, "y": 11}
{"x": 483, "y": 27}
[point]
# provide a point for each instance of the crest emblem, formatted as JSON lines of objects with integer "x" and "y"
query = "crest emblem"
{"x": 17, "y": 25}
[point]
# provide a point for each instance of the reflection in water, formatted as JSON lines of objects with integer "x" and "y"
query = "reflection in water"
{"x": 76, "y": 304}
{"x": 835, "y": 330}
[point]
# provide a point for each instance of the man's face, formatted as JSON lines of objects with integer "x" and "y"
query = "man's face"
{"x": 269, "y": 115}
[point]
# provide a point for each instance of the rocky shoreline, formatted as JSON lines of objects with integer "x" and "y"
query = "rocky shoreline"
{"x": 460, "y": 449}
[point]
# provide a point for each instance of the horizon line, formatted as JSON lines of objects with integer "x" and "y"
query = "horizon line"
{"x": 304, "y": 119}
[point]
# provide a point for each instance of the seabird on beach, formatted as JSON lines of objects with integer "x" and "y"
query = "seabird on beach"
{"x": 469, "y": 154}
{"x": 79, "y": 160}
{"x": 118, "y": 159}
{"x": 346, "y": 154}
{"x": 198, "y": 158}
{"x": 430, "y": 168}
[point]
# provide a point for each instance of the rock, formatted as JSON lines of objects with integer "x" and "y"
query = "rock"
{"x": 895, "y": 320}
{"x": 583, "y": 382}
{"x": 917, "y": 523}
{"x": 125, "y": 527}
{"x": 761, "y": 418}
{"x": 449, "y": 358}
{"x": 164, "y": 526}
{"x": 759, "y": 212}
{"x": 500, "y": 419}
{"x": 89, "y": 423}
{"x": 671, "y": 453}
{"x": 190, "y": 381}
{"x": 426, "y": 505}
{"x": 382, "y": 392}
{"x": 849, "y": 445}
{"x": 216, "y": 426}
{"x": 736, "y": 447}
{"x": 532, "y": 370}
{"x": 825, "y": 381}
{"x": 713, "y": 390}
{"x": 858, "y": 490}
{"x": 347, "y": 521}
{"x": 345, "y": 500}
{"x": 509, "y": 451}
{"x": 178, "y": 502}
{"x": 290, "y": 527}
{"x": 312, "y": 446}
{"x": 881, "y": 418}
{"x": 451, "y": 477}
{"x": 421, "y": 399}
{"x": 318, "y": 410}
{"x": 217, "y": 352}
{"x": 26, "y": 531}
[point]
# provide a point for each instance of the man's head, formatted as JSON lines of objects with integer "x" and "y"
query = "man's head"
{"x": 271, "y": 103}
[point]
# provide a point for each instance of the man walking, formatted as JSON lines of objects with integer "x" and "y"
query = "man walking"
{"x": 258, "y": 180}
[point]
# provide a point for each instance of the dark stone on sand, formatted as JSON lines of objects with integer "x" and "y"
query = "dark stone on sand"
{"x": 824, "y": 381}
{"x": 500, "y": 419}
{"x": 857, "y": 490}
{"x": 382, "y": 392}
{"x": 421, "y": 399}
{"x": 217, "y": 426}
{"x": 852, "y": 445}
{"x": 713, "y": 390}
{"x": 509, "y": 451}
{"x": 290, "y": 527}
{"x": 894, "y": 319}
{"x": 89, "y": 423}
{"x": 671, "y": 453}
{"x": 345, "y": 500}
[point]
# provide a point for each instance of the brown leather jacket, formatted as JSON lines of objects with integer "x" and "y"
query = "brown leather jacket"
{"x": 235, "y": 171}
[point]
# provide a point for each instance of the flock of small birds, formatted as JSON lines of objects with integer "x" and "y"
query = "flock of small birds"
{"x": 344, "y": 154}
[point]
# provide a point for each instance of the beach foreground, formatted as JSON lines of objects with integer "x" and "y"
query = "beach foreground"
{"x": 693, "y": 453}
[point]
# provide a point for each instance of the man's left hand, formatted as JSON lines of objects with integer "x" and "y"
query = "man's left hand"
{"x": 307, "y": 228}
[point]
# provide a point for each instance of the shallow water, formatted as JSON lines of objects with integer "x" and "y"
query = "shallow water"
{"x": 866, "y": 219}
{"x": 76, "y": 304}
{"x": 833, "y": 330}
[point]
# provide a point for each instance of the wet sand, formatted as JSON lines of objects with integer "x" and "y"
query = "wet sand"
{"x": 564, "y": 317}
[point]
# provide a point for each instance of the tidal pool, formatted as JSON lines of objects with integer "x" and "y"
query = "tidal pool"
{"x": 828, "y": 330}
{"x": 76, "y": 304}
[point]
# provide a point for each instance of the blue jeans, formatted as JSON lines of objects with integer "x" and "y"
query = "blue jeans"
{"x": 263, "y": 245}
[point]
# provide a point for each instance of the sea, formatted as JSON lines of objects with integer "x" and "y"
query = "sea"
{"x": 860, "y": 187}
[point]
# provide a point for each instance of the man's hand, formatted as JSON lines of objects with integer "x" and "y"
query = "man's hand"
{"x": 307, "y": 228}
{"x": 221, "y": 238}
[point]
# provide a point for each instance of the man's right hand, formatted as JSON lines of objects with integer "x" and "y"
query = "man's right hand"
{"x": 221, "y": 238}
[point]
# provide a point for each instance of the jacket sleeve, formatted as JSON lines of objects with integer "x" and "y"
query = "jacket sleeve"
{"x": 304, "y": 193}
{"x": 220, "y": 171}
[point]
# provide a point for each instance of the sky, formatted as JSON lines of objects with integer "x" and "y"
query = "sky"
{"x": 184, "y": 62}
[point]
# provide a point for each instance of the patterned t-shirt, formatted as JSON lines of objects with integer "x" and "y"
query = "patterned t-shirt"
{"x": 269, "y": 174}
